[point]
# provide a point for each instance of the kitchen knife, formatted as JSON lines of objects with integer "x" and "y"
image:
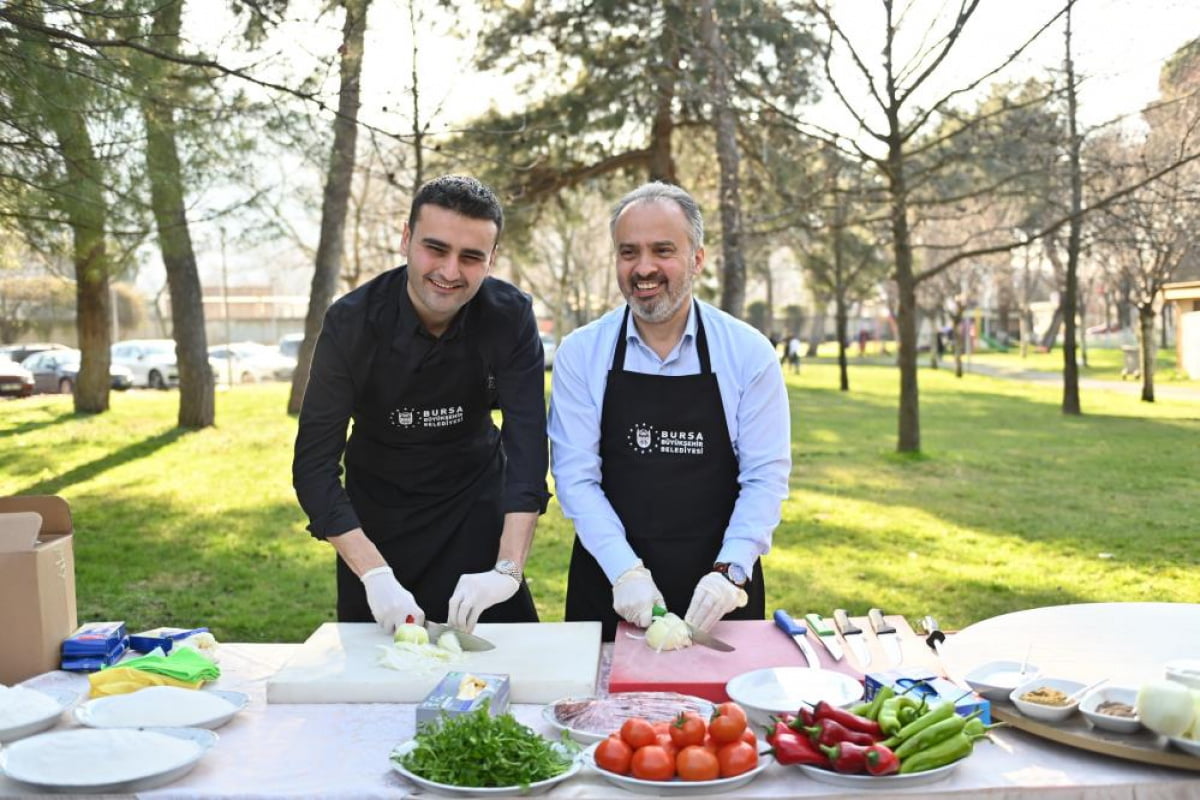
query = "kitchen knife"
{"x": 853, "y": 636}
{"x": 933, "y": 634}
{"x": 889, "y": 640}
{"x": 799, "y": 635}
{"x": 700, "y": 637}
{"x": 469, "y": 642}
{"x": 818, "y": 625}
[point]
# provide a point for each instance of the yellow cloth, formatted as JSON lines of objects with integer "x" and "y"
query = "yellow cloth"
{"x": 121, "y": 680}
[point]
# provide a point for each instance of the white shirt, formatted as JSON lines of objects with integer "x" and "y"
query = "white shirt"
{"x": 756, "y": 412}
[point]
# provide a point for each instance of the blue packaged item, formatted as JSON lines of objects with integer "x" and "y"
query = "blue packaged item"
{"x": 146, "y": 641}
{"x": 95, "y": 639}
{"x": 923, "y": 682}
{"x": 91, "y": 663}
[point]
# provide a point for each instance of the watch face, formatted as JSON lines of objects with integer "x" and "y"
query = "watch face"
{"x": 737, "y": 573}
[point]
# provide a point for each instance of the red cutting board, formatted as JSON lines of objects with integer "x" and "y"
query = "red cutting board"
{"x": 701, "y": 671}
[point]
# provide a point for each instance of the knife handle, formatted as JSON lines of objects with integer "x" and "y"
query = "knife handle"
{"x": 818, "y": 625}
{"x": 844, "y": 625}
{"x": 933, "y": 634}
{"x": 788, "y": 625}
{"x": 878, "y": 624}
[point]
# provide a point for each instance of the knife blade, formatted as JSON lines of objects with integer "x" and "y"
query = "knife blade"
{"x": 799, "y": 635}
{"x": 887, "y": 636}
{"x": 702, "y": 638}
{"x": 825, "y": 632}
{"x": 933, "y": 634}
{"x": 853, "y": 636}
{"x": 469, "y": 642}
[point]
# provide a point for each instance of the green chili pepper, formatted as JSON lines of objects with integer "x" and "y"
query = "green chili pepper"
{"x": 930, "y": 736}
{"x": 861, "y": 708}
{"x": 935, "y": 715}
{"x": 889, "y": 711}
{"x": 877, "y": 701}
{"x": 944, "y": 752}
{"x": 975, "y": 729}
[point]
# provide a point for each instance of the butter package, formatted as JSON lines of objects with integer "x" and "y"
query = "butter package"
{"x": 921, "y": 682}
{"x": 165, "y": 638}
{"x": 462, "y": 693}
{"x": 95, "y": 640}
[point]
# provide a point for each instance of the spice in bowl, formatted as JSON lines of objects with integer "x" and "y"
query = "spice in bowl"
{"x": 1046, "y": 696}
{"x": 1114, "y": 709}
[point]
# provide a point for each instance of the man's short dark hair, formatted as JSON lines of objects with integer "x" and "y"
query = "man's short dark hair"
{"x": 462, "y": 194}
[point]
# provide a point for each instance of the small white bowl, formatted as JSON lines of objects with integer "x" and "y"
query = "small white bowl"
{"x": 1040, "y": 711}
{"x": 1183, "y": 670}
{"x": 1118, "y": 694}
{"x": 1190, "y": 746}
{"x": 995, "y": 680}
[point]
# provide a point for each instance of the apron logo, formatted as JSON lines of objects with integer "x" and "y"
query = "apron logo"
{"x": 686, "y": 443}
{"x": 442, "y": 417}
{"x": 641, "y": 438}
{"x": 402, "y": 417}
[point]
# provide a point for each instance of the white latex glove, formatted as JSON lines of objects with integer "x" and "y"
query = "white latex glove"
{"x": 634, "y": 595}
{"x": 715, "y": 596}
{"x": 476, "y": 593}
{"x": 391, "y": 604}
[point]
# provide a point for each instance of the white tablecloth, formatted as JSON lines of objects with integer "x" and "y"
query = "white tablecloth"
{"x": 341, "y": 751}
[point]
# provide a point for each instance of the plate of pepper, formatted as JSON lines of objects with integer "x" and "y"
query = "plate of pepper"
{"x": 874, "y": 745}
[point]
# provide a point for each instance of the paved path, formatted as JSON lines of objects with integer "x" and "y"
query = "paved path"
{"x": 1163, "y": 390}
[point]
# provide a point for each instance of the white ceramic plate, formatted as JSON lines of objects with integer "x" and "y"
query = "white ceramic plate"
{"x": 64, "y": 698}
{"x": 1186, "y": 745}
{"x": 672, "y": 702}
{"x": 473, "y": 791}
{"x": 996, "y": 679}
{"x": 763, "y": 692}
{"x": 126, "y": 711}
{"x": 885, "y": 782}
{"x": 676, "y": 787}
{"x": 82, "y": 759}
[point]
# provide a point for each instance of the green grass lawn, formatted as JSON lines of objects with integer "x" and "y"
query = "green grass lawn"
{"x": 1010, "y": 506}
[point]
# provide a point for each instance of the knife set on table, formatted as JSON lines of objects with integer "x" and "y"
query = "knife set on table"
{"x": 851, "y": 634}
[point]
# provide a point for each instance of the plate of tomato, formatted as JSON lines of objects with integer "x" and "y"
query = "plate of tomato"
{"x": 689, "y": 755}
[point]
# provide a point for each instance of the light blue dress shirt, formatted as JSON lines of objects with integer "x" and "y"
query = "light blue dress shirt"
{"x": 756, "y": 411}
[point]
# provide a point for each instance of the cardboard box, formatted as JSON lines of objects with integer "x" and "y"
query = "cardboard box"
{"x": 462, "y": 693}
{"x": 37, "y": 584}
{"x": 921, "y": 681}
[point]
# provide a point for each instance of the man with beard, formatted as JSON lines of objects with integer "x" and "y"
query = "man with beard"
{"x": 670, "y": 435}
{"x": 439, "y": 505}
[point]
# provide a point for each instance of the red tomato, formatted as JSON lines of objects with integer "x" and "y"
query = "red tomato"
{"x": 614, "y": 755}
{"x": 651, "y": 763}
{"x": 694, "y": 763}
{"x": 662, "y": 726}
{"x": 750, "y": 738}
{"x": 688, "y": 728}
{"x": 727, "y": 723}
{"x": 736, "y": 758}
{"x": 637, "y": 732}
{"x": 711, "y": 745}
{"x": 665, "y": 742}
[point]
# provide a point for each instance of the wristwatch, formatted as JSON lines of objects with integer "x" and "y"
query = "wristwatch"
{"x": 733, "y": 573}
{"x": 509, "y": 568}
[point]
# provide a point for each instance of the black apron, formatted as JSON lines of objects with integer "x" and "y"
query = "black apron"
{"x": 669, "y": 471}
{"x": 425, "y": 472}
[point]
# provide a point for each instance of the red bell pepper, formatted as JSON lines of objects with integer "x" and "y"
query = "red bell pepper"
{"x": 846, "y": 757}
{"x": 792, "y": 748}
{"x": 826, "y": 710}
{"x": 830, "y": 732}
{"x": 881, "y": 760}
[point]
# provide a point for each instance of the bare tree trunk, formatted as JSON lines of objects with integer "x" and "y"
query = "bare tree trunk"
{"x": 196, "y": 391}
{"x": 86, "y": 209}
{"x": 662, "y": 163}
{"x": 909, "y": 427}
{"x": 960, "y": 341}
{"x": 816, "y": 331}
{"x": 733, "y": 284}
{"x": 337, "y": 193}
{"x": 842, "y": 323}
{"x": 1070, "y": 400}
{"x": 1146, "y": 340}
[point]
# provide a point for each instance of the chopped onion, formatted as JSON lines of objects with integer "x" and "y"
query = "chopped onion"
{"x": 668, "y": 632}
{"x": 411, "y": 634}
{"x": 449, "y": 642}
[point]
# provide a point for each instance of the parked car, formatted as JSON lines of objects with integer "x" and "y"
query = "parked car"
{"x": 549, "y": 346}
{"x": 15, "y": 380}
{"x": 20, "y": 352}
{"x": 289, "y": 345}
{"x": 58, "y": 370}
{"x": 152, "y": 361}
{"x": 250, "y": 362}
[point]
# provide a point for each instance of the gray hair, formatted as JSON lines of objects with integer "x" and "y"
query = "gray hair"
{"x": 658, "y": 191}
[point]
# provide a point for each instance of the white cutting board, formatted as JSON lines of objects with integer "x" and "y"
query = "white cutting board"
{"x": 339, "y": 663}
